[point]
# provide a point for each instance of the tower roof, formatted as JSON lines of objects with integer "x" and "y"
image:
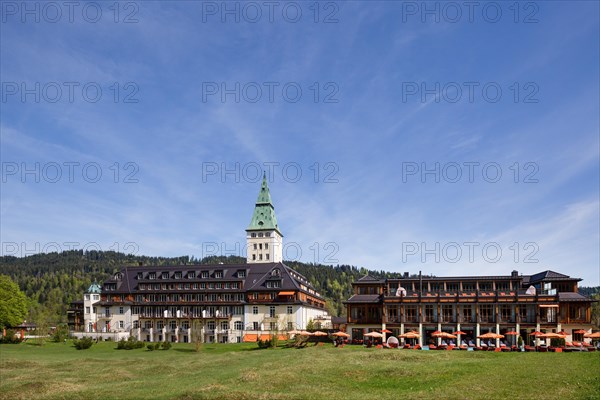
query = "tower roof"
{"x": 94, "y": 288}
{"x": 264, "y": 217}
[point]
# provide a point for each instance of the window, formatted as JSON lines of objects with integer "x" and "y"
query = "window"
{"x": 136, "y": 324}
{"x": 266, "y": 246}
{"x": 121, "y": 325}
{"x": 267, "y": 256}
{"x": 429, "y": 312}
{"x": 260, "y": 246}
{"x": 290, "y": 326}
{"x": 486, "y": 312}
{"x": 165, "y": 275}
{"x": 260, "y": 234}
{"x": 95, "y": 297}
{"x": 87, "y": 296}
{"x": 241, "y": 274}
{"x": 468, "y": 287}
{"x": 224, "y": 325}
{"x": 273, "y": 326}
{"x": 255, "y": 326}
{"x": 121, "y": 310}
{"x": 260, "y": 256}
{"x": 211, "y": 325}
{"x": 178, "y": 275}
{"x": 272, "y": 311}
{"x": 253, "y": 257}
{"x": 253, "y": 235}
{"x": 255, "y": 246}
{"x": 191, "y": 275}
{"x": 204, "y": 274}
{"x": 152, "y": 275}
{"x": 218, "y": 274}
{"x": 87, "y": 310}
{"x": 290, "y": 309}
{"x": 267, "y": 234}
{"x": 238, "y": 325}
{"x": 255, "y": 310}
{"x": 140, "y": 275}
{"x": 173, "y": 325}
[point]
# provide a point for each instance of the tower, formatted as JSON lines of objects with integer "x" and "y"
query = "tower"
{"x": 263, "y": 238}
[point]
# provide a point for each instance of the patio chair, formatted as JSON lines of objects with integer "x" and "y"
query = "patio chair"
{"x": 529, "y": 348}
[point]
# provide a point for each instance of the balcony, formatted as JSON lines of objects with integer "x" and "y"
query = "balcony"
{"x": 374, "y": 320}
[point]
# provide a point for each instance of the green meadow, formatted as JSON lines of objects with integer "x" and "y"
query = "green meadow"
{"x": 241, "y": 371}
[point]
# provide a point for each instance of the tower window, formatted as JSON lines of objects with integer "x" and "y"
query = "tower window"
{"x": 253, "y": 234}
{"x": 260, "y": 234}
{"x": 266, "y": 246}
{"x": 268, "y": 234}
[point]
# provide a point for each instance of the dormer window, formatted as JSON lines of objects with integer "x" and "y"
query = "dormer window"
{"x": 204, "y": 274}
{"x": 218, "y": 274}
{"x": 241, "y": 274}
{"x": 118, "y": 276}
{"x": 178, "y": 275}
{"x": 152, "y": 275}
{"x": 140, "y": 275}
{"x": 276, "y": 272}
{"x": 191, "y": 275}
{"x": 165, "y": 275}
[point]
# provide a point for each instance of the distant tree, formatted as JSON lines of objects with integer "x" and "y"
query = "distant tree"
{"x": 596, "y": 311}
{"x": 13, "y": 303}
{"x": 310, "y": 325}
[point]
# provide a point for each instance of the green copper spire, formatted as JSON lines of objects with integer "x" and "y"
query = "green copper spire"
{"x": 263, "y": 217}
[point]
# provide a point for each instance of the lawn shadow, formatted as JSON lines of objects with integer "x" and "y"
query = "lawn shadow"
{"x": 185, "y": 350}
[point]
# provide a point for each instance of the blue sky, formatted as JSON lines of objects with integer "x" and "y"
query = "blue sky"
{"x": 388, "y": 108}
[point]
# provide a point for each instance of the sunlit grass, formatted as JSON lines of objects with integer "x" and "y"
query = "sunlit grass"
{"x": 58, "y": 371}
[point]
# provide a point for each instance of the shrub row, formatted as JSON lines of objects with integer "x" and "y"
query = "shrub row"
{"x": 159, "y": 345}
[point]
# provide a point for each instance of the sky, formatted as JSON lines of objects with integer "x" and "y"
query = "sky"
{"x": 401, "y": 136}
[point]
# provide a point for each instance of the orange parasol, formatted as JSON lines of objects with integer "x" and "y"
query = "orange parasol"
{"x": 341, "y": 334}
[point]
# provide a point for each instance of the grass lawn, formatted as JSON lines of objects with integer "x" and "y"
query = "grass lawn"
{"x": 240, "y": 371}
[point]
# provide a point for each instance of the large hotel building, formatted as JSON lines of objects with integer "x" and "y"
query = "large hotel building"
{"x": 222, "y": 303}
{"x": 546, "y": 302}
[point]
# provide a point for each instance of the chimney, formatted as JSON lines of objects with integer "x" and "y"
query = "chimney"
{"x": 406, "y": 275}
{"x": 514, "y": 274}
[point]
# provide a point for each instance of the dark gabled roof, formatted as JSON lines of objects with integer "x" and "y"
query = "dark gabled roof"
{"x": 364, "y": 298}
{"x": 571, "y": 296}
{"x": 549, "y": 276}
{"x": 256, "y": 276}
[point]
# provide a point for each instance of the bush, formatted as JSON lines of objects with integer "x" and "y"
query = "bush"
{"x": 157, "y": 346}
{"x": 557, "y": 342}
{"x": 11, "y": 337}
{"x": 83, "y": 343}
{"x": 130, "y": 344}
{"x": 166, "y": 345}
{"x": 264, "y": 344}
{"x": 60, "y": 334}
{"x": 150, "y": 346}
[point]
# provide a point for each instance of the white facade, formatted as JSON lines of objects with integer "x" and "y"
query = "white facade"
{"x": 264, "y": 247}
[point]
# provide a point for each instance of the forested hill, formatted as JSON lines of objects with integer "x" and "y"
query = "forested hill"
{"x": 51, "y": 281}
